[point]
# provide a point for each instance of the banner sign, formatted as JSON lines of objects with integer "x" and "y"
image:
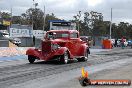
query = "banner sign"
{"x": 39, "y": 34}
{"x": 14, "y": 32}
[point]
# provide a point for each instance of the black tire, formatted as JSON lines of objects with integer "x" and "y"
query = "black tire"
{"x": 64, "y": 58}
{"x": 85, "y": 58}
{"x": 31, "y": 59}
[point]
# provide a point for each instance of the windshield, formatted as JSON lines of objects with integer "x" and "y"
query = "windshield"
{"x": 55, "y": 35}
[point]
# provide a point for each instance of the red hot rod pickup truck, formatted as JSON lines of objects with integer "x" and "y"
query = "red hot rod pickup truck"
{"x": 61, "y": 45}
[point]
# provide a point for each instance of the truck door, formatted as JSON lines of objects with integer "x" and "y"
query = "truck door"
{"x": 74, "y": 43}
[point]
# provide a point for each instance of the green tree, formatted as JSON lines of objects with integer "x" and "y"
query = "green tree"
{"x": 122, "y": 29}
{"x": 16, "y": 20}
{"x": 94, "y": 22}
{"x": 6, "y": 15}
{"x": 36, "y": 17}
{"x": 49, "y": 17}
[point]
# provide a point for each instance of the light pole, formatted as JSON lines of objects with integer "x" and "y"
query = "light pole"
{"x": 44, "y": 22}
{"x": 111, "y": 23}
{"x": 44, "y": 19}
{"x": 79, "y": 15}
{"x": 33, "y": 9}
{"x": 32, "y": 15}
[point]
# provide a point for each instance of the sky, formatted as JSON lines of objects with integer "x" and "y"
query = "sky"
{"x": 66, "y": 9}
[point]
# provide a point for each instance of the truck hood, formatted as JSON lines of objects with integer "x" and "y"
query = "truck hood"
{"x": 60, "y": 42}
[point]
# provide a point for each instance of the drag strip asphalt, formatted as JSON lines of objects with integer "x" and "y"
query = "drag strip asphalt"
{"x": 50, "y": 74}
{"x": 53, "y": 81}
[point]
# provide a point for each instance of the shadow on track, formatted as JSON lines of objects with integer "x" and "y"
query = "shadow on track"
{"x": 54, "y": 62}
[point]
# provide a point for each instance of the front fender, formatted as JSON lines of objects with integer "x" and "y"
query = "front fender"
{"x": 33, "y": 52}
{"x": 62, "y": 50}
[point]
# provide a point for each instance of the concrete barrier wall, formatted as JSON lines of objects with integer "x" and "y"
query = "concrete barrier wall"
{"x": 38, "y": 42}
{"x": 4, "y": 43}
{"x": 26, "y": 42}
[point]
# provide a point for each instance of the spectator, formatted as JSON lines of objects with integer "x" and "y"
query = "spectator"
{"x": 116, "y": 43}
{"x": 33, "y": 40}
{"x": 122, "y": 42}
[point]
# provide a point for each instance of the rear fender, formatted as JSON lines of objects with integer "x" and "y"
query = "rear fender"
{"x": 83, "y": 50}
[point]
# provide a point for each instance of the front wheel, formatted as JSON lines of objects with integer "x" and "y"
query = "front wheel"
{"x": 31, "y": 59}
{"x": 64, "y": 58}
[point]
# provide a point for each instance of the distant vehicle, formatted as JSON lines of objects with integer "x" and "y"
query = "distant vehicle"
{"x": 6, "y": 36}
{"x": 61, "y": 45}
{"x": 16, "y": 41}
{"x": 129, "y": 42}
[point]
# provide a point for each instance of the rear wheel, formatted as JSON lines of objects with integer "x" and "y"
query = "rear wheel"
{"x": 85, "y": 58}
{"x": 31, "y": 59}
{"x": 64, "y": 58}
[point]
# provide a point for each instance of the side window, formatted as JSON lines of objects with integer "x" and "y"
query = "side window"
{"x": 74, "y": 35}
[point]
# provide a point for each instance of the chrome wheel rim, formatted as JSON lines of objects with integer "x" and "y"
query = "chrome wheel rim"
{"x": 66, "y": 58}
